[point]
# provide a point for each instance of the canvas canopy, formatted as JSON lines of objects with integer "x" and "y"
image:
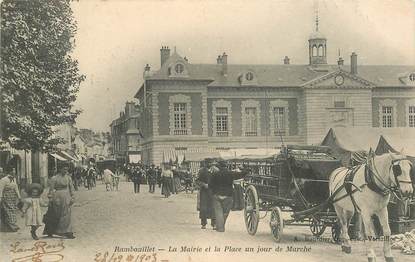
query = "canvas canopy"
{"x": 350, "y": 145}
{"x": 247, "y": 153}
{"x": 397, "y": 140}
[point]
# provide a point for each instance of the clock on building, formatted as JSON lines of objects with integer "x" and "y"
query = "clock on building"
{"x": 339, "y": 80}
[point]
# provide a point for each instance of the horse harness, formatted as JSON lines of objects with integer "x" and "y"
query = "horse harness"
{"x": 370, "y": 177}
{"x": 348, "y": 185}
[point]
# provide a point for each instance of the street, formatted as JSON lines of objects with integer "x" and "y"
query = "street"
{"x": 169, "y": 230}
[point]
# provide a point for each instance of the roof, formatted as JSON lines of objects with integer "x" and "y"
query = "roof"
{"x": 316, "y": 35}
{"x": 288, "y": 75}
{"x": 384, "y": 75}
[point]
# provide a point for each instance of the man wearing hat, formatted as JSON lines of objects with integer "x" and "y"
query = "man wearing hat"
{"x": 152, "y": 179}
{"x": 205, "y": 195}
{"x": 221, "y": 185}
{"x": 91, "y": 173}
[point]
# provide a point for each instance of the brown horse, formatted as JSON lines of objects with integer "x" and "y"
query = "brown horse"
{"x": 371, "y": 187}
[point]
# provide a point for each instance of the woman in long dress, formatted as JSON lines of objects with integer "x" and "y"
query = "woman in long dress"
{"x": 9, "y": 198}
{"x": 58, "y": 217}
{"x": 167, "y": 178}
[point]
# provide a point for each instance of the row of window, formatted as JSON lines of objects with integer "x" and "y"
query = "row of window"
{"x": 251, "y": 119}
{"x": 223, "y": 120}
{"x": 388, "y": 120}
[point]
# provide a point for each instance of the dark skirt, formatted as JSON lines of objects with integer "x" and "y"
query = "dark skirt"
{"x": 167, "y": 186}
{"x": 58, "y": 217}
{"x": 206, "y": 208}
{"x": 51, "y": 220}
{"x": 238, "y": 197}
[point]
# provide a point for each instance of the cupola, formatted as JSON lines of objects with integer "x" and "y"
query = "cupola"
{"x": 317, "y": 47}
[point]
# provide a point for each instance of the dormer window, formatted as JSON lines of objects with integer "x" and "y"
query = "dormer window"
{"x": 249, "y": 76}
{"x": 179, "y": 68}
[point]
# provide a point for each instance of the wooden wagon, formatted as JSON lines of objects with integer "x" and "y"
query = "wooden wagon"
{"x": 296, "y": 181}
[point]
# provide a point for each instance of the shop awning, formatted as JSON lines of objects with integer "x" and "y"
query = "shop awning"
{"x": 68, "y": 156}
{"x": 58, "y": 157}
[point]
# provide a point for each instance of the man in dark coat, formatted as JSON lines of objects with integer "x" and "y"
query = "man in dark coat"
{"x": 152, "y": 179}
{"x": 90, "y": 176}
{"x": 206, "y": 208}
{"x": 221, "y": 184}
{"x": 136, "y": 178}
{"x": 159, "y": 178}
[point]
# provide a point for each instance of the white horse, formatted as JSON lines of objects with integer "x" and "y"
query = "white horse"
{"x": 370, "y": 192}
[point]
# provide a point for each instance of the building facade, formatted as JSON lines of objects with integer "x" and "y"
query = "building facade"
{"x": 196, "y": 109}
{"x": 125, "y": 135}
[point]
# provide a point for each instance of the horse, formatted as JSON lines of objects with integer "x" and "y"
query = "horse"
{"x": 366, "y": 189}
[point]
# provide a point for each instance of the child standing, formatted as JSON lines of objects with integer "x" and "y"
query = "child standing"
{"x": 31, "y": 208}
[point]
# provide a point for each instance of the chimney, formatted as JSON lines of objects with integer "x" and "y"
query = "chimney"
{"x": 286, "y": 60}
{"x": 224, "y": 64}
{"x": 164, "y": 54}
{"x": 219, "y": 60}
{"x": 147, "y": 68}
{"x": 340, "y": 62}
{"x": 353, "y": 64}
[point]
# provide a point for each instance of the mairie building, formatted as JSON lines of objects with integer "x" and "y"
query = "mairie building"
{"x": 193, "y": 110}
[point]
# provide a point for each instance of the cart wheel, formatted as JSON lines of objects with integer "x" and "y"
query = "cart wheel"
{"x": 335, "y": 232}
{"x": 276, "y": 223}
{"x": 251, "y": 211}
{"x": 317, "y": 227}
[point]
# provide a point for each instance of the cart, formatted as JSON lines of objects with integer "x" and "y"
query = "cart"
{"x": 295, "y": 181}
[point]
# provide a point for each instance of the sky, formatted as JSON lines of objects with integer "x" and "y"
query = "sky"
{"x": 116, "y": 38}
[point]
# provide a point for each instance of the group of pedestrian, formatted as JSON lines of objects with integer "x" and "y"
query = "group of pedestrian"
{"x": 173, "y": 179}
{"x": 141, "y": 174}
{"x": 215, "y": 180}
{"x": 111, "y": 179}
{"x": 60, "y": 198}
{"x": 86, "y": 176}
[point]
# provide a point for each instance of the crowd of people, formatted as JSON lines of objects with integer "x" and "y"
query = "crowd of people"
{"x": 171, "y": 179}
{"x": 214, "y": 180}
{"x": 60, "y": 198}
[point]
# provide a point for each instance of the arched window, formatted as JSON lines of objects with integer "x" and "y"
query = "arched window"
{"x": 179, "y": 68}
{"x": 314, "y": 51}
{"x": 320, "y": 50}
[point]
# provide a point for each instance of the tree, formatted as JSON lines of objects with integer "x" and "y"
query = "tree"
{"x": 39, "y": 77}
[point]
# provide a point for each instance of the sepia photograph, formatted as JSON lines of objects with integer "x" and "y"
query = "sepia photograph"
{"x": 207, "y": 130}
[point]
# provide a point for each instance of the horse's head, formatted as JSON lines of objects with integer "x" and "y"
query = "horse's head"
{"x": 401, "y": 174}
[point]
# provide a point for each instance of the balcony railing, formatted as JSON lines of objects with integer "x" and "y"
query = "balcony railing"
{"x": 180, "y": 132}
{"x": 222, "y": 133}
{"x": 253, "y": 133}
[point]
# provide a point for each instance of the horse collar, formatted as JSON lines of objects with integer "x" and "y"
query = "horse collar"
{"x": 371, "y": 183}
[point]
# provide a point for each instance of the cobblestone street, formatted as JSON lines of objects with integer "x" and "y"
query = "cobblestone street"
{"x": 106, "y": 220}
